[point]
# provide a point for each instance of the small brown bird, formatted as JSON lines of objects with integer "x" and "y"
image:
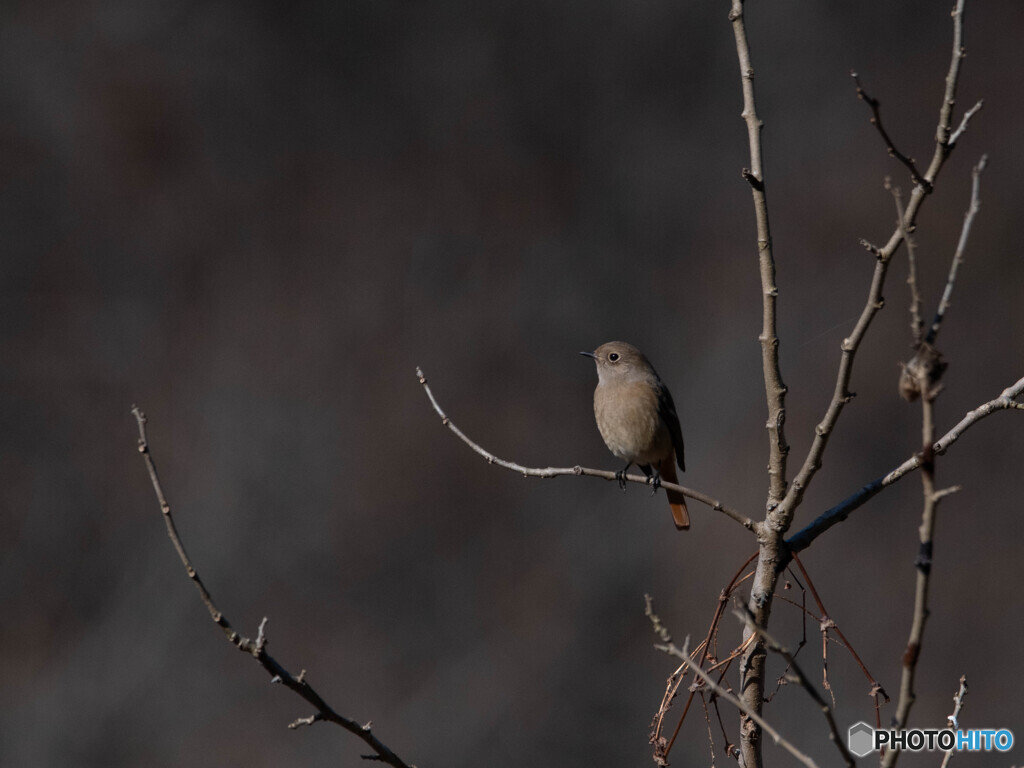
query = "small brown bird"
{"x": 637, "y": 419}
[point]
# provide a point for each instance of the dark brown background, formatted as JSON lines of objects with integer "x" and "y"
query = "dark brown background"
{"x": 255, "y": 219}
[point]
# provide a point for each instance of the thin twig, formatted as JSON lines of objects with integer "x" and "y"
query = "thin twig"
{"x": 729, "y": 747}
{"x": 826, "y": 621}
{"x": 961, "y": 246}
{"x": 876, "y": 120}
{"x": 803, "y": 538}
{"x": 916, "y": 323}
{"x": 545, "y": 472}
{"x": 711, "y": 736}
{"x": 963, "y": 123}
{"x": 801, "y": 679}
{"x": 683, "y": 653}
{"x": 804, "y": 613}
{"x": 943, "y": 140}
{"x": 719, "y": 663}
{"x": 257, "y": 648}
{"x": 954, "y": 719}
{"x": 659, "y": 742}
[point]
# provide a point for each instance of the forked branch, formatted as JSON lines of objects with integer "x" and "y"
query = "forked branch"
{"x": 774, "y": 552}
{"x": 803, "y": 538}
{"x": 841, "y": 395}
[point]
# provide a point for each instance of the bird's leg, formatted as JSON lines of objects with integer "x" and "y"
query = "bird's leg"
{"x": 653, "y": 477}
{"x": 621, "y": 476}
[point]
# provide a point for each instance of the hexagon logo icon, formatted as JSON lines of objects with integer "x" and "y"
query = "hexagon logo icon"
{"x": 860, "y": 739}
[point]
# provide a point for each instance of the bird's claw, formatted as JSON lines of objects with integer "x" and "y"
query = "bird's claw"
{"x": 655, "y": 481}
{"x": 620, "y": 477}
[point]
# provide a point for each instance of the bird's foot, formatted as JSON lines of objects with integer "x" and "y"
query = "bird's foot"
{"x": 620, "y": 477}
{"x": 655, "y": 480}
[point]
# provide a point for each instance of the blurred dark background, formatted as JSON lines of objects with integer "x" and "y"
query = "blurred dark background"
{"x": 255, "y": 219}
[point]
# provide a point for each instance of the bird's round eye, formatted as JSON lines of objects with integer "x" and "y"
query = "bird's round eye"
{"x": 614, "y": 357}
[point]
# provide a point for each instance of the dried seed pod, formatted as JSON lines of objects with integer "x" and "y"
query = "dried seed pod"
{"x": 923, "y": 374}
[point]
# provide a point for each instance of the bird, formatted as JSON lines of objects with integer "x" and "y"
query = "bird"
{"x": 637, "y": 419}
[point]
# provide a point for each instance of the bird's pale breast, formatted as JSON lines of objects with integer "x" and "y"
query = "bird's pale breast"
{"x": 630, "y": 423}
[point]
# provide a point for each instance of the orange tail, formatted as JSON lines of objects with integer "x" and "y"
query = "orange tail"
{"x": 680, "y": 515}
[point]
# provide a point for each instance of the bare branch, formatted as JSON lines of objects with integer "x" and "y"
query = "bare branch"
{"x": 943, "y": 141}
{"x": 803, "y": 538}
{"x": 841, "y": 395}
{"x": 876, "y": 120}
{"x": 961, "y": 246}
{"x": 923, "y": 563}
{"x": 963, "y": 123}
{"x": 773, "y": 554}
{"x": 801, "y": 679}
{"x": 257, "y": 648}
{"x": 775, "y": 390}
{"x": 545, "y": 472}
{"x": 752, "y": 669}
{"x": 683, "y": 653}
{"x": 954, "y": 719}
{"x": 916, "y": 323}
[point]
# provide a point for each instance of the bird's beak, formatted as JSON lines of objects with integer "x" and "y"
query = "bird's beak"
{"x": 589, "y": 354}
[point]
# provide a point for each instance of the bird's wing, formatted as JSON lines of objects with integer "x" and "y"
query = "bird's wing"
{"x": 667, "y": 410}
